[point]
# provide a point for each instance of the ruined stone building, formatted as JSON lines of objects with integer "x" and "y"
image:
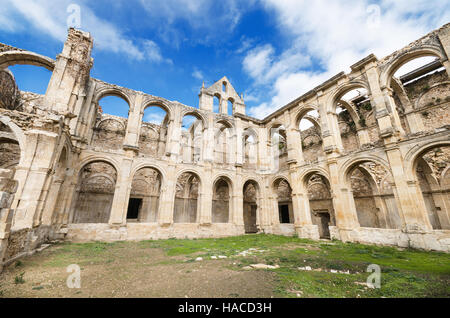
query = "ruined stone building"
{"x": 372, "y": 166}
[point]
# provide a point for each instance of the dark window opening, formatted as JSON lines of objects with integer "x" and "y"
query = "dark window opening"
{"x": 133, "y": 209}
{"x": 284, "y": 213}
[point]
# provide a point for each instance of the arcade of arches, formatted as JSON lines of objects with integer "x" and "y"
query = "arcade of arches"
{"x": 363, "y": 157}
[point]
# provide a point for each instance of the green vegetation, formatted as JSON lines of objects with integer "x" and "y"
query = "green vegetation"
{"x": 404, "y": 272}
{"x": 19, "y": 279}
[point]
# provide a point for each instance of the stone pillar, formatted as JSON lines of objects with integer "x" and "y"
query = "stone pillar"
{"x": 173, "y": 146}
{"x": 8, "y": 187}
{"x": 444, "y": 38}
{"x": 302, "y": 212}
{"x": 134, "y": 123}
{"x": 205, "y": 201}
{"x": 239, "y": 142}
{"x": 414, "y": 216}
{"x": 71, "y": 72}
{"x": 118, "y": 214}
{"x": 208, "y": 140}
{"x": 39, "y": 152}
{"x": 50, "y": 204}
{"x": 263, "y": 159}
{"x": 167, "y": 198}
{"x": 344, "y": 204}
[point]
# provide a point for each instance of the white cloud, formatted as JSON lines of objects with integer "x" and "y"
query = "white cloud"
{"x": 334, "y": 34}
{"x": 154, "y": 118}
{"x": 208, "y": 20}
{"x": 50, "y": 17}
{"x": 198, "y": 75}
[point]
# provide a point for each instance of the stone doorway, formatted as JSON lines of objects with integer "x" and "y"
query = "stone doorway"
{"x": 250, "y": 220}
{"x": 134, "y": 205}
{"x": 324, "y": 223}
{"x": 283, "y": 211}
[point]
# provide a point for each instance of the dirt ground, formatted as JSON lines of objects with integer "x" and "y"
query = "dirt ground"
{"x": 250, "y": 266}
{"x": 132, "y": 274}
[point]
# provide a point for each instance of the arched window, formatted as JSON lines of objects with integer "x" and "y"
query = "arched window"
{"x": 216, "y": 104}
{"x": 191, "y": 139}
{"x": 95, "y": 193}
{"x": 251, "y": 206}
{"x": 223, "y": 143}
{"x": 143, "y": 205}
{"x": 111, "y": 122}
{"x": 186, "y": 204}
{"x": 433, "y": 175}
{"x": 311, "y": 137}
{"x": 250, "y": 149}
{"x": 221, "y": 201}
{"x": 278, "y": 139}
{"x": 419, "y": 86}
{"x": 283, "y": 193}
{"x": 9, "y": 148}
{"x": 354, "y": 113}
{"x": 153, "y": 133}
{"x": 371, "y": 186}
{"x": 320, "y": 203}
{"x": 230, "y": 106}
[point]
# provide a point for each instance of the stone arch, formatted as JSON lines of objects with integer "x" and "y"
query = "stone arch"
{"x": 278, "y": 142}
{"x": 251, "y": 205}
{"x": 222, "y": 199}
{"x": 153, "y": 136}
{"x": 187, "y": 197}
{"x": 224, "y": 142}
{"x": 13, "y": 134}
{"x": 416, "y": 152}
{"x": 192, "y": 139}
{"x": 394, "y": 64}
{"x": 320, "y": 197}
{"x": 106, "y": 91}
{"x": 419, "y": 99}
{"x": 195, "y": 113}
{"x": 250, "y": 149}
{"x": 303, "y": 111}
{"x": 343, "y": 89}
{"x": 15, "y": 57}
{"x": 158, "y": 102}
{"x": 282, "y": 191}
{"x": 94, "y": 192}
{"x": 431, "y": 164}
{"x": 364, "y": 177}
{"x": 144, "y": 199}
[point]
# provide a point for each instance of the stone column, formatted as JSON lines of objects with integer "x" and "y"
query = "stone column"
{"x": 239, "y": 142}
{"x": 444, "y": 38}
{"x": 302, "y": 212}
{"x": 122, "y": 192}
{"x": 134, "y": 123}
{"x": 167, "y": 198}
{"x": 8, "y": 187}
{"x": 174, "y": 137}
{"x": 38, "y": 158}
{"x": 414, "y": 216}
{"x": 205, "y": 200}
{"x": 344, "y": 204}
{"x": 50, "y": 204}
{"x": 71, "y": 70}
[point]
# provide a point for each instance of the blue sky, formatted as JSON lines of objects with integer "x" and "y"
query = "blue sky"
{"x": 272, "y": 50}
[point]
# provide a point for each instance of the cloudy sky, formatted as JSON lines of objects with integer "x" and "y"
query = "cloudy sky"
{"x": 272, "y": 50}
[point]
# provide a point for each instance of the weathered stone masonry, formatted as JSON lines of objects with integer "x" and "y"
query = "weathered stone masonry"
{"x": 375, "y": 171}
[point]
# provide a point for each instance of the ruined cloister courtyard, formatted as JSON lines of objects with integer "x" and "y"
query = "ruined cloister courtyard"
{"x": 352, "y": 173}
